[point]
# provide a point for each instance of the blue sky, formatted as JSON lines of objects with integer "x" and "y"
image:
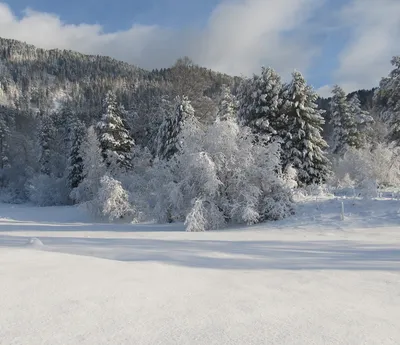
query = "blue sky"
{"x": 325, "y": 39}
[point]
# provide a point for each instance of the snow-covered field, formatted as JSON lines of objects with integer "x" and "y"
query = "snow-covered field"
{"x": 311, "y": 279}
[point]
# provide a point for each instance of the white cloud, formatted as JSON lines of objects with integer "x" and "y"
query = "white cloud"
{"x": 374, "y": 27}
{"x": 240, "y": 36}
{"x": 243, "y": 35}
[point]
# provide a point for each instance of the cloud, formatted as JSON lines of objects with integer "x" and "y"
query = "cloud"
{"x": 374, "y": 31}
{"x": 243, "y": 35}
{"x": 240, "y": 36}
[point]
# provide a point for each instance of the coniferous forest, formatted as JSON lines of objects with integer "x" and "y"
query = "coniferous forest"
{"x": 184, "y": 144}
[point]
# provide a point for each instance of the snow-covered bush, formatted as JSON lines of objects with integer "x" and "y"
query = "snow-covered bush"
{"x": 44, "y": 190}
{"x": 221, "y": 175}
{"x": 367, "y": 169}
{"x": 111, "y": 201}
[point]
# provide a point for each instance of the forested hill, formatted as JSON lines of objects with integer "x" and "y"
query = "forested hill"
{"x": 33, "y": 78}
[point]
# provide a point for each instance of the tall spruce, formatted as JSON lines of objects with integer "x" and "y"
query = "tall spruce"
{"x": 363, "y": 121}
{"x": 227, "y": 105}
{"x": 115, "y": 140}
{"x": 345, "y": 131}
{"x": 168, "y": 137}
{"x": 303, "y": 146}
{"x": 75, "y": 162}
{"x": 260, "y": 102}
{"x": 387, "y": 101}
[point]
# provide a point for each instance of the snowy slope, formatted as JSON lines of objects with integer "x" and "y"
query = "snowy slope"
{"x": 309, "y": 280}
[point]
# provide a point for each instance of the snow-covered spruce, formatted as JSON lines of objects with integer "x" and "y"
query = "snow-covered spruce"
{"x": 300, "y": 129}
{"x": 93, "y": 168}
{"x": 168, "y": 139}
{"x": 227, "y": 105}
{"x": 344, "y": 121}
{"x": 260, "y": 100}
{"x": 115, "y": 141}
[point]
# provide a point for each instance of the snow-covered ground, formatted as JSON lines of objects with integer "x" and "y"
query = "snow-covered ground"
{"x": 311, "y": 279}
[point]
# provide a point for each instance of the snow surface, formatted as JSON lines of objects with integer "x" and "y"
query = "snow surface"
{"x": 312, "y": 279}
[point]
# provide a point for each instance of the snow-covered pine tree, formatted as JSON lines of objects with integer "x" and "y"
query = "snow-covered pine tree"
{"x": 115, "y": 141}
{"x": 260, "y": 102}
{"x": 168, "y": 139}
{"x": 387, "y": 101}
{"x": 75, "y": 161}
{"x": 363, "y": 120}
{"x": 345, "y": 131}
{"x": 303, "y": 146}
{"x": 227, "y": 107}
{"x": 93, "y": 168}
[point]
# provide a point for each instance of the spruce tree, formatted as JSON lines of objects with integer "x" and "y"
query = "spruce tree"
{"x": 115, "y": 140}
{"x": 387, "y": 101}
{"x": 226, "y": 105}
{"x": 363, "y": 120}
{"x": 345, "y": 131}
{"x": 93, "y": 168}
{"x": 168, "y": 140}
{"x": 75, "y": 162}
{"x": 303, "y": 146}
{"x": 260, "y": 102}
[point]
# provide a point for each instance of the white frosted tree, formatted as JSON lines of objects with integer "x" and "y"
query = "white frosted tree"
{"x": 363, "y": 121}
{"x": 303, "y": 146}
{"x": 388, "y": 101}
{"x": 227, "y": 107}
{"x": 169, "y": 139}
{"x": 260, "y": 100}
{"x": 345, "y": 131}
{"x": 93, "y": 168}
{"x": 115, "y": 141}
{"x": 111, "y": 200}
{"x": 223, "y": 175}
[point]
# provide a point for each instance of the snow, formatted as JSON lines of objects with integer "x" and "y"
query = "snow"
{"x": 311, "y": 279}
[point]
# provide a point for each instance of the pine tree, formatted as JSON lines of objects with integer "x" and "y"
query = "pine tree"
{"x": 387, "y": 101}
{"x": 115, "y": 141}
{"x": 303, "y": 146}
{"x": 260, "y": 102}
{"x": 345, "y": 131}
{"x": 46, "y": 139}
{"x": 226, "y": 105}
{"x": 75, "y": 166}
{"x": 168, "y": 140}
{"x": 93, "y": 168}
{"x": 363, "y": 121}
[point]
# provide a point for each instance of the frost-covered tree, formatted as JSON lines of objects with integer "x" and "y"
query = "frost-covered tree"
{"x": 260, "y": 100}
{"x": 115, "y": 141}
{"x": 363, "y": 120}
{"x": 345, "y": 131}
{"x": 223, "y": 175}
{"x": 93, "y": 168}
{"x": 227, "y": 107}
{"x": 168, "y": 139}
{"x": 387, "y": 101}
{"x": 111, "y": 200}
{"x": 303, "y": 146}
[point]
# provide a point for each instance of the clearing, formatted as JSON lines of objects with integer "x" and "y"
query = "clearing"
{"x": 311, "y": 279}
